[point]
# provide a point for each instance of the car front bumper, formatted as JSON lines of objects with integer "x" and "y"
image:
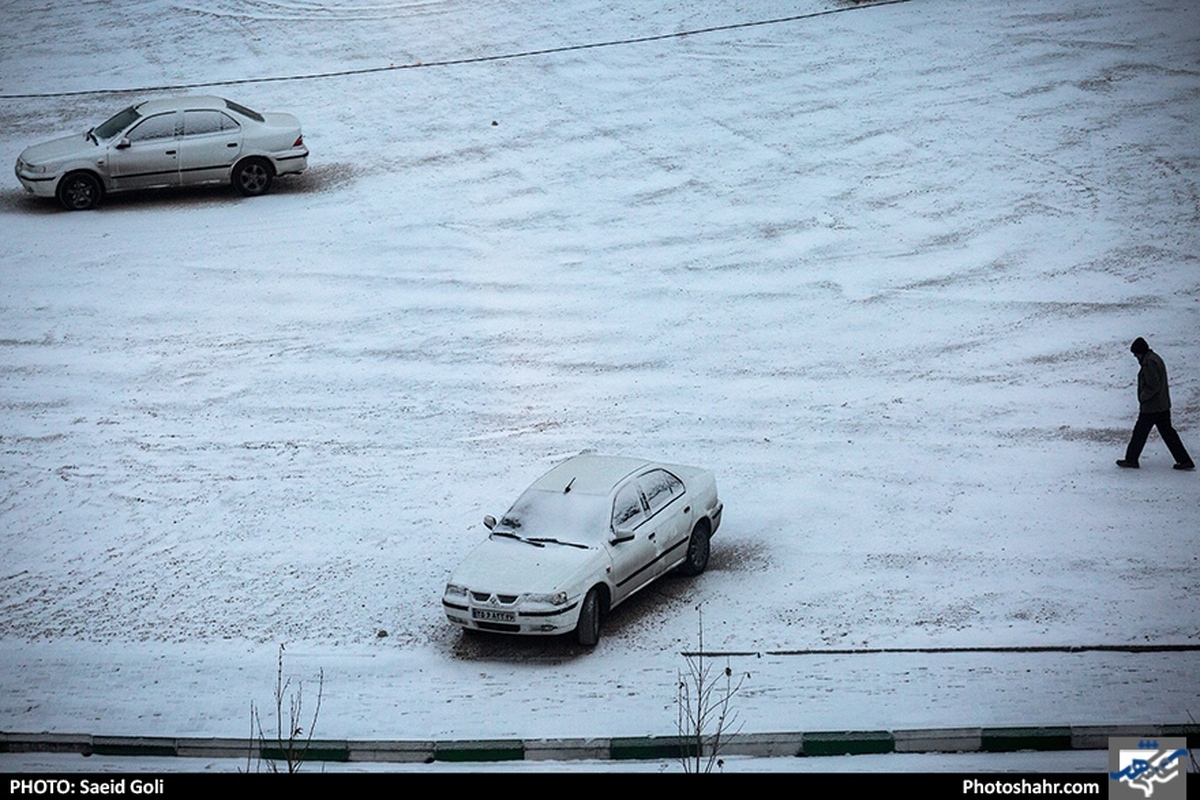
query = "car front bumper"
{"x": 40, "y": 184}
{"x": 539, "y": 621}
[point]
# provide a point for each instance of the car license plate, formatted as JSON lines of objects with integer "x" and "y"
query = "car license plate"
{"x": 487, "y": 615}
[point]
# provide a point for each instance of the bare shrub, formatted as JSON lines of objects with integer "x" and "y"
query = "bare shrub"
{"x": 290, "y": 743}
{"x": 703, "y": 704}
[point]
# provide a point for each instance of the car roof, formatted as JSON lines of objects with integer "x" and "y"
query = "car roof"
{"x": 589, "y": 474}
{"x": 174, "y": 103}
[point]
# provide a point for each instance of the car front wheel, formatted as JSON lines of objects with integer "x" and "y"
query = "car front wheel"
{"x": 79, "y": 191}
{"x": 587, "y": 631}
{"x": 252, "y": 177}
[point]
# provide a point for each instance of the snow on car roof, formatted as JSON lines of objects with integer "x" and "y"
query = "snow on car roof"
{"x": 189, "y": 102}
{"x": 589, "y": 474}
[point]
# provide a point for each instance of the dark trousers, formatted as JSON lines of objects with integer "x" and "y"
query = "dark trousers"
{"x": 1141, "y": 430}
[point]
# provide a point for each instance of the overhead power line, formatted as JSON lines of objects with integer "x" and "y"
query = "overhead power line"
{"x": 454, "y": 62}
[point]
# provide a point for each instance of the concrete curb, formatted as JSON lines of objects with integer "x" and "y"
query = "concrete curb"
{"x": 810, "y": 744}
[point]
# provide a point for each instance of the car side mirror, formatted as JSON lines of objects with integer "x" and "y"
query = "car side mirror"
{"x": 622, "y": 537}
{"x": 489, "y": 522}
{"x": 123, "y": 144}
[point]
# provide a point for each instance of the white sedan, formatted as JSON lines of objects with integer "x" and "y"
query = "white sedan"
{"x": 180, "y": 141}
{"x": 582, "y": 539}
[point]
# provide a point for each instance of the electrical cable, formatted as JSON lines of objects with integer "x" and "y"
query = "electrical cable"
{"x": 456, "y": 62}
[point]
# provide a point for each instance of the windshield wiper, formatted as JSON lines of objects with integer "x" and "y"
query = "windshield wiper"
{"x": 510, "y": 535}
{"x": 556, "y": 541}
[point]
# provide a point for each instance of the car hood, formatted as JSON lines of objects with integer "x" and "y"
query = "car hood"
{"x": 509, "y": 566}
{"x": 66, "y": 147}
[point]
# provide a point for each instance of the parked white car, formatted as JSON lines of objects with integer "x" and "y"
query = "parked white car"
{"x": 180, "y": 141}
{"x": 581, "y": 540}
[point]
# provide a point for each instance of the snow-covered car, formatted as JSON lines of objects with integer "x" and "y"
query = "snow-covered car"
{"x": 581, "y": 540}
{"x": 179, "y": 141}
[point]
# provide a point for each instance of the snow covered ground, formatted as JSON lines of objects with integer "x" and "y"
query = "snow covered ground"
{"x": 877, "y": 269}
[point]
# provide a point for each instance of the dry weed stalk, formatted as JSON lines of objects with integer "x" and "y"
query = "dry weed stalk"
{"x": 703, "y": 703}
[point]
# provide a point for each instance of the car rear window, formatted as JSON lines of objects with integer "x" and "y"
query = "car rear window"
{"x": 245, "y": 112}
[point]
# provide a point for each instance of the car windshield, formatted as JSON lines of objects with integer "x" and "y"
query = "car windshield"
{"x": 116, "y": 123}
{"x": 565, "y": 516}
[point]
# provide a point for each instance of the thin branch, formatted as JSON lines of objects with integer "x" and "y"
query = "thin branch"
{"x": 703, "y": 707}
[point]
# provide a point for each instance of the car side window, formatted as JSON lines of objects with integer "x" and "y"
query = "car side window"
{"x": 153, "y": 128}
{"x": 628, "y": 512}
{"x": 660, "y": 488}
{"x": 201, "y": 122}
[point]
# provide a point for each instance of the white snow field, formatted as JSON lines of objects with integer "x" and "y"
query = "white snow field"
{"x": 877, "y": 269}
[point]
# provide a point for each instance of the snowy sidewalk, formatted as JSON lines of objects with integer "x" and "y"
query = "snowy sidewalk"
{"x": 164, "y": 691}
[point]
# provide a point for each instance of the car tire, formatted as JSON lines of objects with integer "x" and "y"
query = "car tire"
{"x": 253, "y": 176}
{"x": 79, "y": 191}
{"x": 697, "y": 552}
{"x": 587, "y": 630}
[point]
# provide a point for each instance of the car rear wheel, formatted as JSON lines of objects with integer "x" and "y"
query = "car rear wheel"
{"x": 80, "y": 191}
{"x": 697, "y": 552}
{"x": 252, "y": 177}
{"x": 587, "y": 631}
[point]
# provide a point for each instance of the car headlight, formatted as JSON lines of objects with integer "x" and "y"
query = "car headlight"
{"x": 33, "y": 169}
{"x": 454, "y": 590}
{"x": 554, "y": 599}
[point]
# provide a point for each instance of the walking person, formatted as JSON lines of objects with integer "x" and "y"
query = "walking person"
{"x": 1154, "y": 410}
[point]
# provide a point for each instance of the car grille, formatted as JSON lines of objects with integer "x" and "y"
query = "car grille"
{"x": 504, "y": 599}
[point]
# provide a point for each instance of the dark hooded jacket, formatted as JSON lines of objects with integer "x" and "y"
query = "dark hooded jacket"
{"x": 1153, "y": 396}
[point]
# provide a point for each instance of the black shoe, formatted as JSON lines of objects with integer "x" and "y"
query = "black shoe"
{"x": 1187, "y": 466}
{"x": 1127, "y": 464}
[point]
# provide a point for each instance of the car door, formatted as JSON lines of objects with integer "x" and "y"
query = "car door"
{"x": 634, "y": 550}
{"x": 669, "y": 516}
{"x": 210, "y": 143}
{"x": 147, "y": 155}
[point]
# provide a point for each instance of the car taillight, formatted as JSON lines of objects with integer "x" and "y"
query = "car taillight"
{"x": 299, "y": 141}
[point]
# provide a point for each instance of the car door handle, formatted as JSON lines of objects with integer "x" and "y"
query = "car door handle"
{"x": 651, "y": 537}
{"x": 170, "y": 152}
{"x": 232, "y": 144}
{"x": 687, "y": 509}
